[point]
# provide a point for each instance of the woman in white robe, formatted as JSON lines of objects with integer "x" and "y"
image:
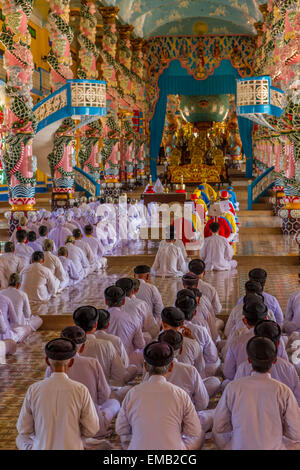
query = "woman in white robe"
{"x": 78, "y": 257}
{"x": 54, "y": 264}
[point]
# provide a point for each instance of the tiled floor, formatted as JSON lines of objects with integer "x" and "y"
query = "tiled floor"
{"x": 28, "y": 364}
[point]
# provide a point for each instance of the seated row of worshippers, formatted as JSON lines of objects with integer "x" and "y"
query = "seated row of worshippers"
{"x": 171, "y": 259}
{"x": 183, "y": 362}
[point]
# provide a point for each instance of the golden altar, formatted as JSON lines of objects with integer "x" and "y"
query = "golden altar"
{"x": 196, "y": 173}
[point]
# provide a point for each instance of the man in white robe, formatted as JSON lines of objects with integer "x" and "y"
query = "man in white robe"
{"x": 96, "y": 247}
{"x": 125, "y": 325}
{"x": 22, "y": 250}
{"x": 148, "y": 292}
{"x": 26, "y": 322}
{"x": 72, "y": 276}
{"x": 76, "y": 255}
{"x": 57, "y": 413}
{"x": 139, "y": 309}
{"x": 197, "y": 267}
{"x": 236, "y": 352}
{"x": 217, "y": 252}
{"x": 174, "y": 424}
{"x": 101, "y": 333}
{"x": 85, "y": 247}
{"x": 169, "y": 260}
{"x": 186, "y": 302}
{"x": 53, "y": 263}
{"x": 9, "y": 263}
{"x": 88, "y": 372}
{"x": 115, "y": 372}
{"x": 257, "y": 412}
{"x": 43, "y": 234}
{"x": 38, "y": 281}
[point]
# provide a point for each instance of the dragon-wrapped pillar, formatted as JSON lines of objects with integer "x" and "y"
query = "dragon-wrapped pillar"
{"x": 124, "y": 55}
{"x": 62, "y": 160}
{"x": 61, "y": 35}
{"x": 110, "y": 151}
{"x": 110, "y": 39}
{"x": 89, "y": 149}
{"x": 88, "y": 53}
{"x": 20, "y": 122}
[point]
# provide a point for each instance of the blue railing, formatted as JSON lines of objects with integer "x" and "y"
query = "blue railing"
{"x": 260, "y": 186}
{"x": 84, "y": 182}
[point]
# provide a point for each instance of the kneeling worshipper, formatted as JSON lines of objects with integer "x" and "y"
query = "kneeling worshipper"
{"x": 138, "y": 309}
{"x": 173, "y": 319}
{"x": 174, "y": 424}
{"x": 186, "y": 302}
{"x": 101, "y": 333}
{"x": 235, "y": 319}
{"x": 72, "y": 276}
{"x": 43, "y": 234}
{"x": 22, "y": 250}
{"x": 87, "y": 371}
{"x": 148, "y": 292}
{"x": 22, "y": 225}
{"x": 85, "y": 247}
{"x": 9, "y": 263}
{"x": 115, "y": 372}
{"x": 257, "y": 412}
{"x": 96, "y": 247}
{"x": 197, "y": 266}
{"x": 260, "y": 275}
{"x": 38, "y": 281}
{"x": 204, "y": 317}
{"x": 125, "y": 325}
{"x": 292, "y": 314}
{"x": 59, "y": 233}
{"x": 253, "y": 312}
{"x": 76, "y": 255}
{"x": 32, "y": 241}
{"x": 26, "y": 322}
{"x": 53, "y": 263}
{"x": 169, "y": 261}
{"x": 57, "y": 413}
{"x": 281, "y": 370}
{"x": 217, "y": 252}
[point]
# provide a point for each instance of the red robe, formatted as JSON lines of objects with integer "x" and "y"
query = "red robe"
{"x": 225, "y": 229}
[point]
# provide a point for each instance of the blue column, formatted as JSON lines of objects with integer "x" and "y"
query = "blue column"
{"x": 245, "y": 128}
{"x": 156, "y": 132}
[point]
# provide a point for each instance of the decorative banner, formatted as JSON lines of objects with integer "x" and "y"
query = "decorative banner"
{"x": 198, "y": 55}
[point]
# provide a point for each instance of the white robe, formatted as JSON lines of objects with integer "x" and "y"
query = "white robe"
{"x": 282, "y": 370}
{"x": 192, "y": 354}
{"x": 85, "y": 247}
{"x": 113, "y": 368}
{"x": 88, "y": 372}
{"x": 117, "y": 343}
{"x": 76, "y": 255}
{"x": 155, "y": 415}
{"x": 24, "y": 252}
{"x": 21, "y": 304}
{"x": 53, "y": 263}
{"x": 211, "y": 294}
{"x": 38, "y": 282}
{"x": 151, "y": 295}
{"x": 57, "y": 413}
{"x": 140, "y": 308}
{"x": 98, "y": 250}
{"x": 71, "y": 272}
{"x": 292, "y": 314}
{"x": 169, "y": 261}
{"x": 235, "y": 317}
{"x": 217, "y": 254}
{"x": 9, "y": 264}
{"x": 256, "y": 413}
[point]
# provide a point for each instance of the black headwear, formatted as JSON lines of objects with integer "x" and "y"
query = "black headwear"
{"x": 254, "y": 311}
{"x": 173, "y": 338}
{"x": 142, "y": 269}
{"x": 114, "y": 293}
{"x": 103, "y": 318}
{"x": 190, "y": 280}
{"x": 253, "y": 286}
{"x": 85, "y": 317}
{"x": 75, "y": 333}
{"x": 197, "y": 266}
{"x": 258, "y": 274}
{"x": 158, "y": 354}
{"x": 261, "y": 350}
{"x": 60, "y": 349}
{"x": 126, "y": 284}
{"x": 187, "y": 303}
{"x": 268, "y": 328}
{"x": 172, "y": 316}
{"x": 252, "y": 297}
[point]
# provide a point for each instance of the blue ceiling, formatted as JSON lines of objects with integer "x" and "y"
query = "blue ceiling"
{"x": 175, "y": 17}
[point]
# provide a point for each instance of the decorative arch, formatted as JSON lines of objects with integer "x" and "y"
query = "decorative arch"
{"x": 176, "y": 79}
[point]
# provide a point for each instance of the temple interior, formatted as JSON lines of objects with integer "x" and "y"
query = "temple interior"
{"x": 159, "y": 109}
